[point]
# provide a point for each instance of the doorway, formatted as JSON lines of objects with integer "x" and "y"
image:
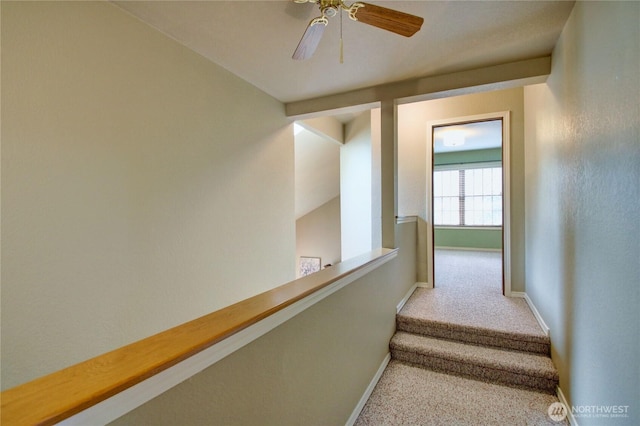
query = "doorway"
{"x": 468, "y": 202}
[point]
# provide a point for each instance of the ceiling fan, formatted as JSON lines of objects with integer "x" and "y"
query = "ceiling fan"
{"x": 378, "y": 16}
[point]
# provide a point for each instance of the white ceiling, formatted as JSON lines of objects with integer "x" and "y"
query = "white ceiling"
{"x": 255, "y": 40}
{"x": 478, "y": 135}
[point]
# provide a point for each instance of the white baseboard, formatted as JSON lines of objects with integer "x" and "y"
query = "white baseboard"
{"x": 570, "y": 417}
{"x": 424, "y": 285}
{"x": 536, "y": 314}
{"x": 406, "y": 297}
{"x": 368, "y": 391}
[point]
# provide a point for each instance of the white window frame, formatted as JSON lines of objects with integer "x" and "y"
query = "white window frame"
{"x": 468, "y": 166}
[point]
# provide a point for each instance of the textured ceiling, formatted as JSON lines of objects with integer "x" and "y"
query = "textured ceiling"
{"x": 255, "y": 40}
{"x": 475, "y": 136}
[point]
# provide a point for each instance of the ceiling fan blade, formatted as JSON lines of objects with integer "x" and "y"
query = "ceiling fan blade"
{"x": 388, "y": 19}
{"x": 310, "y": 39}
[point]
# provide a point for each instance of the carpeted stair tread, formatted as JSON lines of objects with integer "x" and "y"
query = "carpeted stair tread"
{"x": 529, "y": 364}
{"x": 514, "y": 340}
{"x": 513, "y": 368}
{"x": 474, "y": 308}
{"x": 475, "y": 315}
{"x": 409, "y": 395}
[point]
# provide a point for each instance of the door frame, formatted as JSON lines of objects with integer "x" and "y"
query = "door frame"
{"x": 505, "y": 116}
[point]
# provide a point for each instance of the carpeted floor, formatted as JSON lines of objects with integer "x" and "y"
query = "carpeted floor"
{"x": 468, "y": 292}
{"x": 465, "y": 327}
{"x": 412, "y": 396}
{"x": 468, "y": 269}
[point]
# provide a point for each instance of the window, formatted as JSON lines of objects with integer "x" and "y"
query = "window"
{"x": 468, "y": 196}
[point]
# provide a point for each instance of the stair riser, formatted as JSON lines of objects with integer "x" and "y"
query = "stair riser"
{"x": 457, "y": 334}
{"x": 539, "y": 384}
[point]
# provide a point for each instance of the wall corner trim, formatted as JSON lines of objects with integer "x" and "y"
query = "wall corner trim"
{"x": 534, "y": 310}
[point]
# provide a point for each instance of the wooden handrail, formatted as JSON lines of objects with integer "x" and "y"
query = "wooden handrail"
{"x": 62, "y": 394}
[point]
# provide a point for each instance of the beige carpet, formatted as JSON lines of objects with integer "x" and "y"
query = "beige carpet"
{"x": 464, "y": 354}
{"x": 468, "y": 295}
{"x": 411, "y": 396}
{"x": 469, "y": 269}
{"x": 456, "y": 312}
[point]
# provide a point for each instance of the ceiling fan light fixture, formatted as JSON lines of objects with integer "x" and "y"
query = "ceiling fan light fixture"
{"x": 330, "y": 11}
{"x": 381, "y": 17}
{"x": 453, "y": 138}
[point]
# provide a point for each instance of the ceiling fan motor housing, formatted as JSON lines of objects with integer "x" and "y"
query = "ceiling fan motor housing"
{"x": 330, "y": 8}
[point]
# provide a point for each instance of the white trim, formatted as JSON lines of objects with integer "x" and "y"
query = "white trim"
{"x": 471, "y": 228}
{"x": 424, "y": 285}
{"x": 367, "y": 393}
{"x": 406, "y": 297}
{"x": 506, "y": 201}
{"x": 536, "y": 314}
{"x": 131, "y": 398}
{"x": 406, "y": 219}
{"x": 505, "y": 116}
{"x": 429, "y": 215}
{"x": 570, "y": 417}
{"x": 468, "y": 249}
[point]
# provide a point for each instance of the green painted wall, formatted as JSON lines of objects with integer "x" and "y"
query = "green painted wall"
{"x": 468, "y": 238}
{"x": 461, "y": 237}
{"x": 476, "y": 156}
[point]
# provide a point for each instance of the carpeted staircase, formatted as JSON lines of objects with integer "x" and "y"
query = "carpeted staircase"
{"x": 512, "y": 358}
{"x": 464, "y": 354}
